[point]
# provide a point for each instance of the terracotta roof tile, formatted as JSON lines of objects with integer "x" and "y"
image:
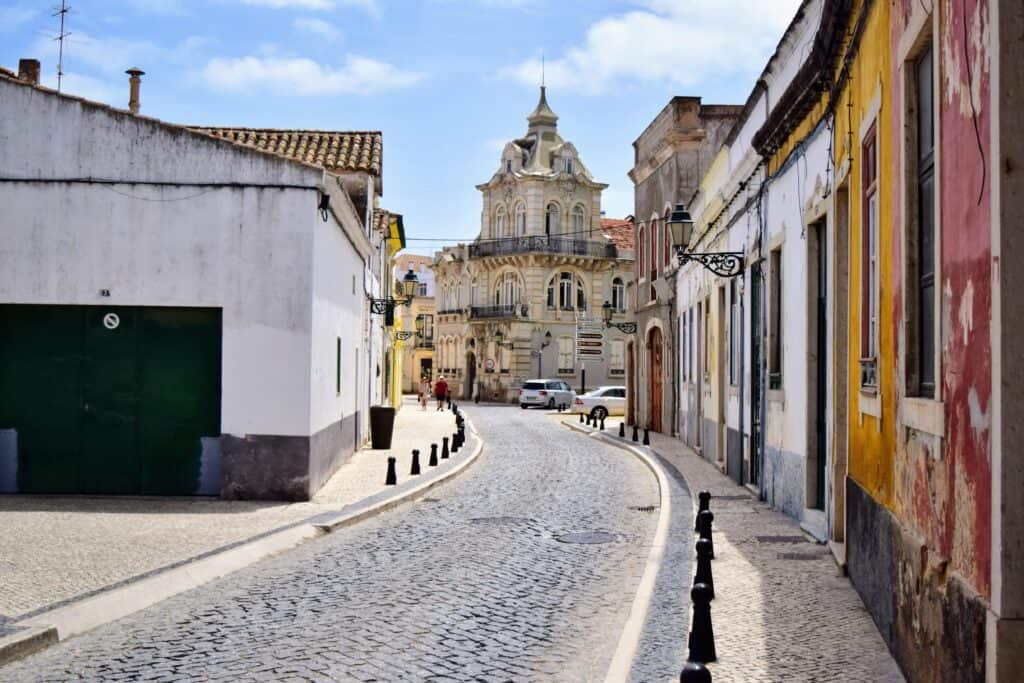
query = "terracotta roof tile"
{"x": 336, "y": 151}
{"x": 619, "y": 231}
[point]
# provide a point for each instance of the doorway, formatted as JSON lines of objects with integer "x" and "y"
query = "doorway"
{"x": 427, "y": 368}
{"x": 654, "y": 350}
{"x": 840, "y": 364}
{"x": 756, "y": 363}
{"x": 719, "y": 374}
{"x": 631, "y": 386}
{"x": 470, "y": 386}
{"x": 817, "y": 370}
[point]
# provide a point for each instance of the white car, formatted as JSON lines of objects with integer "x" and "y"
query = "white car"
{"x": 601, "y": 402}
{"x": 549, "y": 393}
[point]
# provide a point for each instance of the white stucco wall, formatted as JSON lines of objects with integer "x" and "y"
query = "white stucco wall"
{"x": 246, "y": 250}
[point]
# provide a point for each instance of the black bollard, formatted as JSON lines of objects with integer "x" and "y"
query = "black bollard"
{"x": 702, "y": 636}
{"x": 704, "y": 565}
{"x": 455, "y": 443}
{"x": 449, "y": 404}
{"x": 581, "y": 418}
{"x": 433, "y": 455}
{"x": 391, "y": 478}
{"x": 695, "y": 672}
{"x": 415, "y": 469}
{"x": 635, "y": 434}
{"x": 602, "y": 423}
{"x": 622, "y": 430}
{"x": 704, "y": 500}
{"x": 647, "y": 437}
{"x": 444, "y": 448}
{"x": 588, "y": 419}
{"x": 704, "y": 520}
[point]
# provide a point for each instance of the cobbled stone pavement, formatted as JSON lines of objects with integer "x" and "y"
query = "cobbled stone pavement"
{"x": 468, "y": 583}
{"x": 54, "y": 549}
{"x": 783, "y": 611}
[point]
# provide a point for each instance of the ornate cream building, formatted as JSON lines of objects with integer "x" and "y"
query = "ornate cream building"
{"x": 508, "y": 303}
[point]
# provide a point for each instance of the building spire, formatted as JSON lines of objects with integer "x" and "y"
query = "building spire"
{"x": 542, "y": 115}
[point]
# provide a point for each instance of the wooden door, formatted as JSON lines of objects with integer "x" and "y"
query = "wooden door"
{"x": 654, "y": 347}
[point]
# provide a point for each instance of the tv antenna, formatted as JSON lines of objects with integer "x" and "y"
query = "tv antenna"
{"x": 61, "y": 12}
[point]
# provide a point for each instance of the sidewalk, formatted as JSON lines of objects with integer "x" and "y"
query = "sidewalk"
{"x": 57, "y": 550}
{"x": 782, "y": 611}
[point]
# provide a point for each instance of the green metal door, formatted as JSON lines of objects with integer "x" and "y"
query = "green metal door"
{"x": 109, "y": 447}
{"x": 111, "y": 399}
{"x": 40, "y": 393}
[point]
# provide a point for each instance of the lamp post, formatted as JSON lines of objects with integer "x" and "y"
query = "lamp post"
{"x": 722, "y": 263}
{"x": 607, "y": 312}
{"x": 387, "y": 306}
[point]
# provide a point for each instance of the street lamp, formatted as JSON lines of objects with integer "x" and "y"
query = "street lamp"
{"x": 387, "y": 306}
{"x": 540, "y": 354}
{"x": 723, "y": 263}
{"x": 607, "y": 312}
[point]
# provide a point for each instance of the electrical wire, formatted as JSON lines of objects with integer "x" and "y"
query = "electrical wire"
{"x": 974, "y": 110}
{"x": 157, "y": 199}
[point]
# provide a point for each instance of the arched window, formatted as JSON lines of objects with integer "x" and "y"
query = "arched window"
{"x": 618, "y": 301}
{"x": 520, "y": 219}
{"x": 501, "y": 222}
{"x": 506, "y": 289}
{"x": 641, "y": 264}
{"x": 652, "y": 249}
{"x": 578, "y": 222}
{"x": 566, "y": 292}
{"x": 668, "y": 239}
{"x": 552, "y": 220}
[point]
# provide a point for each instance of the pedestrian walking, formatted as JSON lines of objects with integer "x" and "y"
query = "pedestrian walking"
{"x": 441, "y": 392}
{"x": 424, "y": 392}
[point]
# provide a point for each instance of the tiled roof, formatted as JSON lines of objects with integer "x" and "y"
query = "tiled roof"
{"x": 619, "y": 231}
{"x": 336, "y": 151}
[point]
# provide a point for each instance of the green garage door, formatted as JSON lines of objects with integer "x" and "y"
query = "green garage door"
{"x": 109, "y": 399}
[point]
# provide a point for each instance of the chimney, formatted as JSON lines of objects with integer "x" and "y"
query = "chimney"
{"x": 133, "y": 88}
{"x": 28, "y": 71}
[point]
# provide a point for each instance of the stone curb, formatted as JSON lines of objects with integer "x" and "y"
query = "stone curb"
{"x": 632, "y": 631}
{"x": 79, "y": 616}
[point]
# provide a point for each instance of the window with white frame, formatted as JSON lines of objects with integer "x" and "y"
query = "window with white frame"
{"x": 666, "y": 239}
{"x": 617, "y": 358}
{"x": 507, "y": 289}
{"x": 578, "y": 222}
{"x": 566, "y": 363}
{"x": 501, "y": 223}
{"x": 618, "y": 301}
{"x": 570, "y": 166}
{"x": 869, "y": 261}
{"x": 921, "y": 235}
{"x": 421, "y": 289}
{"x": 566, "y": 292}
{"x": 520, "y": 214}
{"x": 641, "y": 263}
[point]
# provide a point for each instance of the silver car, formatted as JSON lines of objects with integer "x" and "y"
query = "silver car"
{"x": 549, "y": 393}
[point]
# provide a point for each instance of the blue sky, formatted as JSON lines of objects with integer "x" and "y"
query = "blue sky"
{"x": 447, "y": 81}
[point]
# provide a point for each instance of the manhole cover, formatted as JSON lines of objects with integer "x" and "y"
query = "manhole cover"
{"x": 501, "y": 520}
{"x": 586, "y": 537}
{"x": 430, "y": 500}
{"x": 799, "y": 556}
{"x": 736, "y": 497}
{"x": 645, "y": 508}
{"x": 780, "y": 539}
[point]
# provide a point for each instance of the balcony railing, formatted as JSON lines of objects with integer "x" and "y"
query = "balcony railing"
{"x": 425, "y": 344}
{"x": 502, "y": 311}
{"x": 538, "y": 244}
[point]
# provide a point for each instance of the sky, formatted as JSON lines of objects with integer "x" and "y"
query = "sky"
{"x": 448, "y": 82}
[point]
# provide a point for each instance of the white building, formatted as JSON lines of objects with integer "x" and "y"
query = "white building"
{"x": 183, "y": 312}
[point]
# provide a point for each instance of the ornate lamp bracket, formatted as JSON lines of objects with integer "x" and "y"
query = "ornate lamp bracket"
{"x": 721, "y": 263}
{"x": 385, "y": 306}
{"x": 402, "y": 335}
{"x": 625, "y": 328}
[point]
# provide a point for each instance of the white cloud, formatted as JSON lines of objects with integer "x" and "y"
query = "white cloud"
{"x": 317, "y": 27}
{"x": 299, "y": 76}
{"x": 114, "y": 55}
{"x": 11, "y": 17}
{"x": 669, "y": 41}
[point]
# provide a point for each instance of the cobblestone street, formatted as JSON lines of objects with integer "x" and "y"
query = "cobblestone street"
{"x": 469, "y": 583}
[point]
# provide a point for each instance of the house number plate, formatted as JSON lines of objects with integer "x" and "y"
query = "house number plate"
{"x": 111, "y": 321}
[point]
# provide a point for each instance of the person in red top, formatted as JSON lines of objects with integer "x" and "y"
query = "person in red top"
{"x": 441, "y": 392}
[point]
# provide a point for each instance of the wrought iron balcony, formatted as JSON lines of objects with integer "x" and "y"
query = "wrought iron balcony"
{"x": 502, "y": 311}
{"x": 539, "y": 244}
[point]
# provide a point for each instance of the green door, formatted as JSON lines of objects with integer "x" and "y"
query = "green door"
{"x": 109, "y": 399}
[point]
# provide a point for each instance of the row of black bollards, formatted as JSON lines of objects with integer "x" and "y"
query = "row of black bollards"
{"x": 701, "y": 642}
{"x": 457, "y": 440}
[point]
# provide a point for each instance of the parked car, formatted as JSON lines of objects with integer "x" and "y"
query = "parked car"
{"x": 601, "y": 402}
{"x": 548, "y": 393}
